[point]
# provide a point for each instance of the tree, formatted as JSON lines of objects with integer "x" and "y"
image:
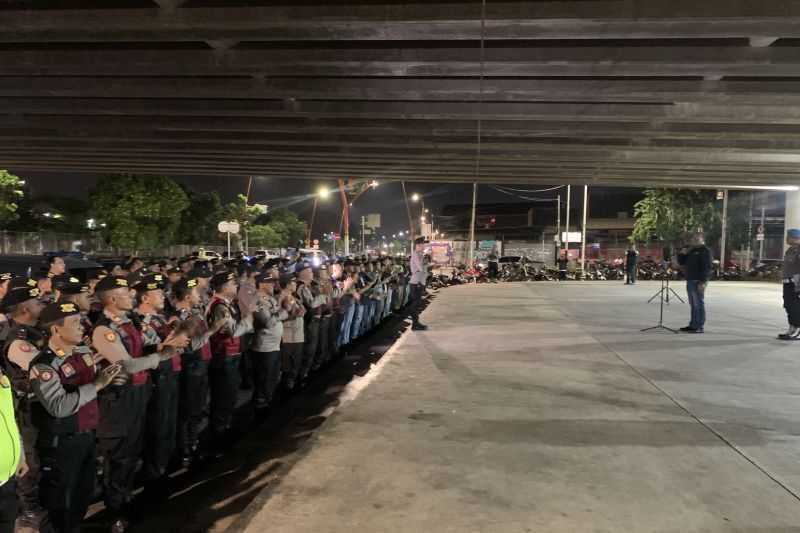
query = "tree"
{"x": 140, "y": 212}
{"x": 669, "y": 214}
{"x": 244, "y": 213}
{"x": 265, "y": 236}
{"x": 10, "y": 195}
{"x": 286, "y": 223}
{"x": 199, "y": 220}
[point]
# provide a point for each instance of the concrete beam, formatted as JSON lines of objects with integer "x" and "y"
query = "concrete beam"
{"x": 550, "y": 90}
{"x": 711, "y": 62}
{"x": 762, "y": 42}
{"x": 419, "y": 21}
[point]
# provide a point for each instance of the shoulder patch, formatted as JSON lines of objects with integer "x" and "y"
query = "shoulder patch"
{"x": 66, "y": 369}
{"x": 45, "y": 376}
{"x": 5, "y": 382}
{"x": 111, "y": 337}
{"x": 25, "y": 347}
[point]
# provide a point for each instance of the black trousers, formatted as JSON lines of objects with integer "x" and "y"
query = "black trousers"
{"x": 28, "y": 485}
{"x": 310, "y": 345}
{"x": 266, "y": 375}
{"x": 162, "y": 422}
{"x": 193, "y": 402}
{"x": 791, "y": 302}
{"x": 415, "y": 301}
{"x": 8, "y": 505}
{"x": 67, "y": 482}
{"x": 224, "y": 379}
{"x": 291, "y": 357}
{"x": 631, "y": 271}
{"x": 120, "y": 438}
{"x": 324, "y": 344}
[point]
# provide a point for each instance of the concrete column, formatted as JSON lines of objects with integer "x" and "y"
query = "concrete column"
{"x": 792, "y": 213}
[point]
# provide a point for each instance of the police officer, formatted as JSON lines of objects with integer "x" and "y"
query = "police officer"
{"x": 161, "y": 420}
{"x": 791, "y": 285}
{"x": 266, "y": 347}
{"x": 631, "y": 261}
{"x": 308, "y": 298}
{"x": 78, "y": 293}
{"x": 193, "y": 394}
{"x": 226, "y": 352}
{"x": 119, "y": 338}
{"x": 23, "y": 342}
{"x": 65, "y": 381}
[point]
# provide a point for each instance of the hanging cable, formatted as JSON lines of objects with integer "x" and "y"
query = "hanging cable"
{"x": 533, "y": 190}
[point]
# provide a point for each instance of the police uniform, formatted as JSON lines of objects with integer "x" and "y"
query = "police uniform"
{"x": 120, "y": 433}
{"x": 66, "y": 415}
{"x": 161, "y": 420}
{"x": 312, "y": 320}
{"x": 224, "y": 377}
{"x": 20, "y": 347}
{"x": 193, "y": 393}
{"x": 791, "y": 287}
{"x": 268, "y": 320}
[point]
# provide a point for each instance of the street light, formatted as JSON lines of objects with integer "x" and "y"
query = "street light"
{"x": 323, "y": 193}
{"x": 415, "y": 197}
{"x": 422, "y": 219}
{"x": 373, "y": 184}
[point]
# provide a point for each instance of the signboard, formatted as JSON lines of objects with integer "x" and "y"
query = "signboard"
{"x": 574, "y": 236}
{"x": 760, "y": 237}
{"x": 373, "y": 220}
{"x": 441, "y": 252}
{"x": 489, "y": 245}
{"x": 720, "y": 195}
{"x": 228, "y": 227}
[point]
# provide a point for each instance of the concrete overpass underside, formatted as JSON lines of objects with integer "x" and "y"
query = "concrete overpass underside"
{"x": 619, "y": 92}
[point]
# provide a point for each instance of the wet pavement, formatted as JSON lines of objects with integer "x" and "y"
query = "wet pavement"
{"x": 542, "y": 407}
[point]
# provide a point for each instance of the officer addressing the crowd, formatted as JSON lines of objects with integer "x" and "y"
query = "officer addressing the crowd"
{"x": 697, "y": 262}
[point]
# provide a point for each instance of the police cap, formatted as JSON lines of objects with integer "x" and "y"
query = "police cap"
{"x": 109, "y": 283}
{"x": 58, "y": 311}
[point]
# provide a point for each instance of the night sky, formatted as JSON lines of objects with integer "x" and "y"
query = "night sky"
{"x": 387, "y": 199}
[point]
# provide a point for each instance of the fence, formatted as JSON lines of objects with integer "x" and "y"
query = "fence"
{"x": 38, "y": 243}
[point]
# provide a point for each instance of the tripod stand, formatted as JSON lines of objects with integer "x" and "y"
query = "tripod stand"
{"x": 663, "y": 293}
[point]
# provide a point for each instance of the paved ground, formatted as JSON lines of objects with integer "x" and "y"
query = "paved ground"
{"x": 538, "y": 407}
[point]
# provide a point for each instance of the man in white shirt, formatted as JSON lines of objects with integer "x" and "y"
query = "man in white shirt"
{"x": 419, "y": 275}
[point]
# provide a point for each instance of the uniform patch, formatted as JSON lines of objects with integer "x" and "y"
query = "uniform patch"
{"x": 67, "y": 370}
{"x": 25, "y": 347}
{"x": 45, "y": 375}
{"x": 111, "y": 337}
{"x": 88, "y": 359}
{"x": 4, "y": 381}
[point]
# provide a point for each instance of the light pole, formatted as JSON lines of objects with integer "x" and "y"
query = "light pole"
{"x": 322, "y": 193}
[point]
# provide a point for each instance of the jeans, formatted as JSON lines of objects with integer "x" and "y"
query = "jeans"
{"x": 697, "y": 303}
{"x": 345, "y": 324}
{"x": 358, "y": 316}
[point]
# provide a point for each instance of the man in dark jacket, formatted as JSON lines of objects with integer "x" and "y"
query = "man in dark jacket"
{"x": 696, "y": 263}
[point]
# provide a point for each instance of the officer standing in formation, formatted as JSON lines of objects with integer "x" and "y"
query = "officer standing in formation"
{"x": 23, "y": 342}
{"x": 113, "y": 374}
{"x": 65, "y": 381}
